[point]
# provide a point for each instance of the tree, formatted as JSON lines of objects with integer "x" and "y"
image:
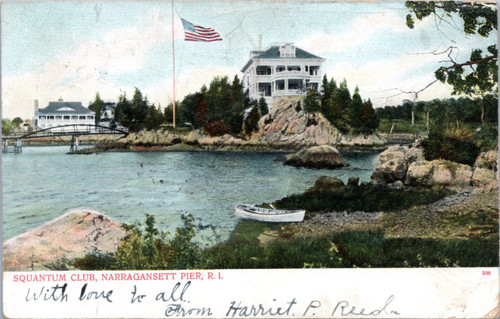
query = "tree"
{"x": 218, "y": 99}
{"x": 369, "y": 118}
{"x": 123, "y": 111}
{"x": 97, "y": 106}
{"x": 201, "y": 110}
{"x": 187, "y": 109}
{"x": 252, "y": 121}
{"x": 263, "y": 108}
{"x": 479, "y": 74}
{"x": 16, "y": 122}
{"x": 311, "y": 103}
{"x": 6, "y": 127}
{"x": 356, "y": 110}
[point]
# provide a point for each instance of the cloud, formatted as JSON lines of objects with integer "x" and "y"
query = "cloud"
{"x": 185, "y": 83}
{"x": 80, "y": 72}
{"x": 361, "y": 30}
{"x": 384, "y": 81}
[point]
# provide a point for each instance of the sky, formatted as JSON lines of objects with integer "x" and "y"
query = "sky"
{"x": 73, "y": 49}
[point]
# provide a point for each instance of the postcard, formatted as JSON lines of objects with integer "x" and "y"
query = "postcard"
{"x": 249, "y": 159}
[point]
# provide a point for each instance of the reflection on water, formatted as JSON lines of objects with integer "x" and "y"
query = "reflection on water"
{"x": 43, "y": 182}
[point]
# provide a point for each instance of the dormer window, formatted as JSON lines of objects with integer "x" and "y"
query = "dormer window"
{"x": 287, "y": 50}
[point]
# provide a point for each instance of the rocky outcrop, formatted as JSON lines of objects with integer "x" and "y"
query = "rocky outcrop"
{"x": 288, "y": 123}
{"x": 323, "y": 156}
{"x": 74, "y": 234}
{"x": 286, "y": 127}
{"x": 401, "y": 164}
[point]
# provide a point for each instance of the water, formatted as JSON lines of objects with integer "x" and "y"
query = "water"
{"x": 44, "y": 182}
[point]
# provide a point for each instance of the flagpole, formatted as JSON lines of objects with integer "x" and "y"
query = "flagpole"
{"x": 173, "y": 59}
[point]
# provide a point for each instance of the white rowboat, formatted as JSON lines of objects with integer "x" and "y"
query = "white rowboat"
{"x": 268, "y": 215}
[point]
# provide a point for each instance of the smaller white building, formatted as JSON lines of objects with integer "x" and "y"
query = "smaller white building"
{"x": 62, "y": 113}
{"x": 108, "y": 112}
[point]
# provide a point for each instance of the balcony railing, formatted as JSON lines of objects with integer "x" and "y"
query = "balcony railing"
{"x": 287, "y": 74}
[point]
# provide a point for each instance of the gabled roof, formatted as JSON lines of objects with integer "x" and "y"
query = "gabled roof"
{"x": 273, "y": 52}
{"x": 66, "y": 108}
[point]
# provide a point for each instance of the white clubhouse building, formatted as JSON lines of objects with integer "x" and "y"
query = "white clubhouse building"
{"x": 62, "y": 113}
{"x": 281, "y": 70}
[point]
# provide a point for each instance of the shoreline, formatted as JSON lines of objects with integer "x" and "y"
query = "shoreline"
{"x": 182, "y": 147}
{"x": 46, "y": 249}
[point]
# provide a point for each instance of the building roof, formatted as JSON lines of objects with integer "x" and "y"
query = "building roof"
{"x": 65, "y": 108}
{"x": 273, "y": 52}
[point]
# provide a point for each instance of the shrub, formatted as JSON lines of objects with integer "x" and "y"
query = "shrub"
{"x": 366, "y": 197}
{"x": 145, "y": 247}
{"x": 453, "y": 145}
{"x": 217, "y": 128}
{"x": 487, "y": 137}
{"x": 236, "y": 253}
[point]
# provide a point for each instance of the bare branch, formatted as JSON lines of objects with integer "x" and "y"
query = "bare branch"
{"x": 434, "y": 52}
{"x": 415, "y": 93}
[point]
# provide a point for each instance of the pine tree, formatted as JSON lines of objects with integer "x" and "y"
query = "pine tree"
{"x": 369, "y": 118}
{"x": 263, "y": 108}
{"x": 97, "y": 106}
{"x": 312, "y": 101}
{"x": 252, "y": 121}
{"x": 356, "y": 110}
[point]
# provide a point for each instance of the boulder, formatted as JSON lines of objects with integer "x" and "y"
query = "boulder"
{"x": 323, "y": 156}
{"x": 325, "y": 183}
{"x": 438, "y": 173}
{"x": 392, "y": 165}
{"x": 414, "y": 154}
{"x": 488, "y": 160}
{"x": 483, "y": 177}
{"x": 74, "y": 234}
{"x": 419, "y": 173}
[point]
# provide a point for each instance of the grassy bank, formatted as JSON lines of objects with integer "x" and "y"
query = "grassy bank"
{"x": 409, "y": 233}
{"x": 365, "y": 197}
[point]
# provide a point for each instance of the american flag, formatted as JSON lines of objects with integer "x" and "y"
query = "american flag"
{"x": 196, "y": 33}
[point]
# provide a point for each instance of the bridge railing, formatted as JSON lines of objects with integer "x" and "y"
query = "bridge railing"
{"x": 74, "y": 129}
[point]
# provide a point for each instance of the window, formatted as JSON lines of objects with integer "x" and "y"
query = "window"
{"x": 42, "y": 117}
{"x": 90, "y": 117}
{"x": 280, "y": 85}
{"x": 287, "y": 50}
{"x": 66, "y": 117}
{"x": 263, "y": 70}
{"x": 82, "y": 117}
{"x": 58, "y": 117}
{"x": 74, "y": 117}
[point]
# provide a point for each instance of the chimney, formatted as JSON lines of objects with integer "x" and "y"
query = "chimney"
{"x": 36, "y": 107}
